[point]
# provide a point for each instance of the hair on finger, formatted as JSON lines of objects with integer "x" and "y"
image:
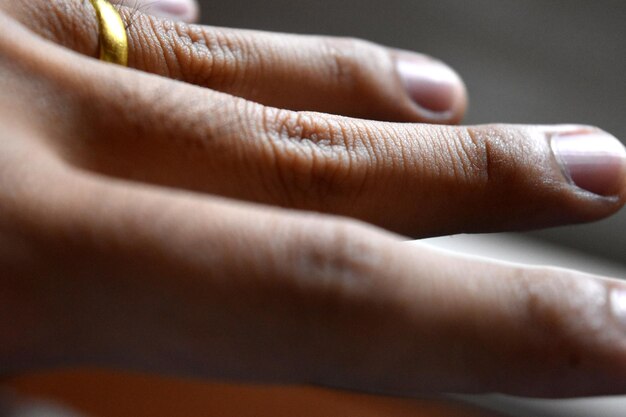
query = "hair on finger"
{"x": 135, "y": 8}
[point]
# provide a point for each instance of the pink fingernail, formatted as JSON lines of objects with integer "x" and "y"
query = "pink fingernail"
{"x": 592, "y": 160}
{"x": 186, "y": 10}
{"x": 431, "y": 84}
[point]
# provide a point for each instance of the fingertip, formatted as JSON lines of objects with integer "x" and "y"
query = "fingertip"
{"x": 437, "y": 91}
{"x": 592, "y": 160}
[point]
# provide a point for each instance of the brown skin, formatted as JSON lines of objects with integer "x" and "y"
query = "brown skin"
{"x": 125, "y": 240}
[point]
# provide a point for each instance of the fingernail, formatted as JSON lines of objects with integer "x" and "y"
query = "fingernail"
{"x": 185, "y": 10}
{"x": 592, "y": 160}
{"x": 431, "y": 84}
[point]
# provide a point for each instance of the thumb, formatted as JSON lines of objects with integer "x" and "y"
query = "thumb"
{"x": 185, "y": 10}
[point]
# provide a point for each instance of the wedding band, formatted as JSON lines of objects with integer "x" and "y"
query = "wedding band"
{"x": 113, "y": 38}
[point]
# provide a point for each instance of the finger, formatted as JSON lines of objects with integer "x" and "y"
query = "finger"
{"x": 417, "y": 179}
{"x": 421, "y": 180}
{"x": 183, "y": 10}
{"x": 162, "y": 281}
{"x": 98, "y": 238}
{"x": 341, "y": 76}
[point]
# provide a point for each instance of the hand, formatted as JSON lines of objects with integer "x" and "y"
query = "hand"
{"x": 197, "y": 228}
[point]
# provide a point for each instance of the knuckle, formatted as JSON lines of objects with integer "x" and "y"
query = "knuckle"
{"x": 352, "y": 61}
{"x": 337, "y": 257}
{"x": 159, "y": 45}
{"x": 332, "y": 278}
{"x": 312, "y": 157}
{"x": 499, "y": 155}
{"x": 566, "y": 315}
{"x": 199, "y": 55}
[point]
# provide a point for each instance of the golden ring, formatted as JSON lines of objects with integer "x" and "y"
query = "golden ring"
{"x": 113, "y": 37}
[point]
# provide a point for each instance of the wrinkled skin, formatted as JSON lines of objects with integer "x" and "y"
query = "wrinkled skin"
{"x": 234, "y": 206}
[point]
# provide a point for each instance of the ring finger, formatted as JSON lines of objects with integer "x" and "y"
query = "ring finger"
{"x": 334, "y": 75}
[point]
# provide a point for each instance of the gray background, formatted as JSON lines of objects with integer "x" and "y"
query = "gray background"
{"x": 523, "y": 61}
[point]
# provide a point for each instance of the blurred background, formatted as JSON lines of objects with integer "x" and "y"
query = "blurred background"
{"x": 529, "y": 61}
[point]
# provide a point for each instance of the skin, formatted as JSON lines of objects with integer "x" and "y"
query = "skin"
{"x": 248, "y": 220}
